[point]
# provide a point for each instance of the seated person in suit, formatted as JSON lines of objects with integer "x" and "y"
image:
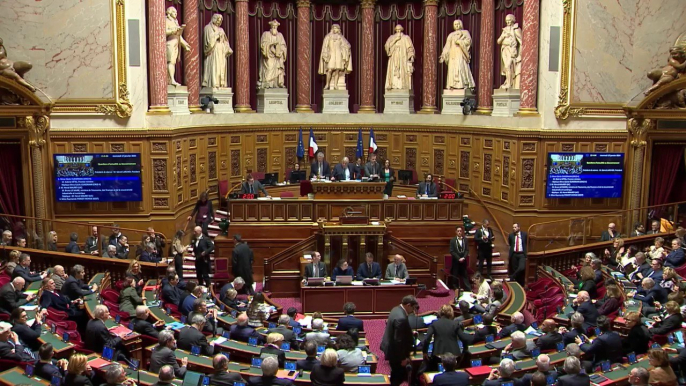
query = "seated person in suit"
{"x": 6, "y": 238}
{"x": 46, "y": 367}
{"x": 370, "y": 269}
{"x": 577, "y": 328}
{"x": 282, "y": 328}
{"x": 611, "y": 233}
{"x": 519, "y": 347}
{"x": 343, "y": 171}
{"x": 74, "y": 287}
{"x": 11, "y": 347}
{"x": 170, "y": 291}
{"x": 11, "y": 295}
{"x": 23, "y": 269}
{"x": 269, "y": 368}
{"x": 638, "y": 339}
{"x": 141, "y": 324}
{"x": 238, "y": 283}
{"x": 502, "y": 374}
{"x": 550, "y": 338}
{"x": 358, "y": 168}
{"x": 27, "y": 334}
{"x": 574, "y": 376}
{"x": 73, "y": 247}
{"x": 639, "y": 376}
{"x": 97, "y": 335}
{"x": 110, "y": 252}
{"x": 350, "y": 357}
{"x": 327, "y": 373}
{"x": 210, "y": 315}
{"x": 676, "y": 257}
{"x": 308, "y": 363}
{"x": 427, "y": 188}
{"x": 241, "y": 331}
{"x": 231, "y": 301}
{"x": 349, "y": 320}
{"x": 372, "y": 169}
{"x": 465, "y": 314}
{"x": 543, "y": 367}
{"x": 320, "y": 168}
{"x": 250, "y": 186}
{"x": 450, "y": 377}
{"x": 649, "y": 293}
{"x": 292, "y": 313}
{"x": 163, "y": 354}
{"x": 342, "y": 269}
{"x": 318, "y": 334}
{"x": 397, "y": 271}
{"x": 79, "y": 373}
{"x": 669, "y": 324}
{"x": 487, "y": 329}
{"x": 516, "y": 324}
{"x": 50, "y": 298}
{"x": 583, "y": 305}
{"x": 187, "y": 305}
{"x": 316, "y": 268}
{"x": 273, "y": 348}
{"x": 129, "y": 298}
{"x": 193, "y": 336}
{"x": 221, "y": 376}
{"x": 606, "y": 346}
{"x": 122, "y": 248}
{"x": 166, "y": 376}
{"x": 150, "y": 254}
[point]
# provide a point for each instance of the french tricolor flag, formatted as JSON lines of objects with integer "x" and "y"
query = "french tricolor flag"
{"x": 313, "y": 144}
{"x": 372, "y": 142}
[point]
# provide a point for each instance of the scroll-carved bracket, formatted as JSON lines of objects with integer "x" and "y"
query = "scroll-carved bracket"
{"x": 563, "y": 110}
{"x": 122, "y": 108}
{"x": 38, "y": 127}
{"x": 638, "y": 128}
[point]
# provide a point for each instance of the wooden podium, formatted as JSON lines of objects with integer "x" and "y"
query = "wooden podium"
{"x": 335, "y": 229}
{"x": 348, "y": 189}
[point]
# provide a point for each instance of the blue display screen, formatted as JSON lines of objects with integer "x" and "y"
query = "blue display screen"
{"x": 585, "y": 175}
{"x": 87, "y": 177}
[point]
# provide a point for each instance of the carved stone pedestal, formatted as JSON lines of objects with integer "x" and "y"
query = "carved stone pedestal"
{"x": 223, "y": 95}
{"x": 399, "y": 102}
{"x": 505, "y": 102}
{"x": 335, "y": 102}
{"x": 272, "y": 101}
{"x": 452, "y": 100}
{"x": 177, "y": 100}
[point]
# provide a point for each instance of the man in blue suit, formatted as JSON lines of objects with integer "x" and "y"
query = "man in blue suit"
{"x": 242, "y": 332}
{"x": 343, "y": 171}
{"x": 676, "y": 257}
{"x": 451, "y": 377}
{"x": 187, "y": 305}
{"x": 170, "y": 292}
{"x": 46, "y": 367}
{"x": 649, "y": 293}
{"x": 349, "y": 320}
{"x": 320, "y": 168}
{"x": 369, "y": 269}
{"x": 582, "y": 304}
{"x": 607, "y": 346}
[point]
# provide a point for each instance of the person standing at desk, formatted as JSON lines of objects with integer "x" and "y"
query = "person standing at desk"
{"x": 316, "y": 268}
{"x": 372, "y": 168}
{"x": 343, "y": 171}
{"x": 320, "y": 168}
{"x": 250, "y": 186}
{"x": 370, "y": 269}
{"x": 484, "y": 244}
{"x": 397, "y": 270}
{"x": 388, "y": 176}
{"x": 427, "y": 188}
{"x": 398, "y": 340}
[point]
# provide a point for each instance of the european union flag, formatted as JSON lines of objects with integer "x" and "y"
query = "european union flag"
{"x": 360, "y": 147}
{"x": 301, "y": 148}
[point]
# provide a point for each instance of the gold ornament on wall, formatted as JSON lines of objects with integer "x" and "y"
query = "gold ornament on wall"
{"x": 37, "y": 127}
{"x": 638, "y": 128}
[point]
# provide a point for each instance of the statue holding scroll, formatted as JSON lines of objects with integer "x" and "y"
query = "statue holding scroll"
{"x": 14, "y": 70}
{"x": 510, "y": 41}
{"x": 174, "y": 39}
{"x": 272, "y": 58}
{"x": 216, "y": 50}
{"x": 400, "y": 53}
{"x": 335, "y": 61}
{"x": 456, "y": 55}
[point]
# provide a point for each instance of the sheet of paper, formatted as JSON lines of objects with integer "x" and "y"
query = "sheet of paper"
{"x": 307, "y": 257}
{"x": 428, "y": 319}
{"x": 219, "y": 340}
{"x": 356, "y": 282}
{"x": 306, "y": 321}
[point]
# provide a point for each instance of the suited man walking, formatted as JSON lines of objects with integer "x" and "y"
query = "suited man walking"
{"x": 427, "y": 188}
{"x": 517, "y": 257}
{"x": 316, "y": 268}
{"x": 202, "y": 249}
{"x": 397, "y": 340}
{"x": 459, "y": 250}
{"x": 241, "y": 263}
{"x": 250, "y": 186}
{"x": 484, "y": 244}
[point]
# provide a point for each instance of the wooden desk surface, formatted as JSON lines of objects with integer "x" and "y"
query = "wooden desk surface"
{"x": 368, "y": 299}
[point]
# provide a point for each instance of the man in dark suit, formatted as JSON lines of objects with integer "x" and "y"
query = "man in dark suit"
{"x": 11, "y": 347}
{"x": 343, "y": 171}
{"x": 607, "y": 346}
{"x": 241, "y": 331}
{"x": 163, "y": 354}
{"x": 311, "y": 360}
{"x": 550, "y": 337}
{"x": 282, "y": 328}
{"x": 369, "y": 269}
{"x": 574, "y": 376}
{"x": 398, "y": 340}
{"x": 543, "y": 367}
{"x": 358, "y": 168}
{"x": 150, "y": 255}
{"x": 203, "y": 247}
{"x": 676, "y": 257}
{"x": 450, "y": 377}
{"x": 502, "y": 374}
{"x": 372, "y": 168}
{"x": 639, "y": 230}
{"x": 221, "y": 376}
{"x": 517, "y": 324}
{"x": 141, "y": 324}
{"x": 517, "y": 263}
{"x": 73, "y": 247}
{"x": 250, "y": 186}
{"x": 122, "y": 248}
{"x": 46, "y": 367}
{"x": 165, "y": 376}
{"x": 193, "y": 336}
{"x": 649, "y": 293}
{"x": 582, "y": 304}
{"x": 642, "y": 268}
{"x": 170, "y": 292}
{"x": 157, "y": 240}
{"x": 427, "y": 188}
{"x": 113, "y": 239}
{"x": 242, "y": 259}
{"x": 446, "y": 333}
{"x": 187, "y": 305}
{"x": 654, "y": 228}
{"x": 655, "y": 272}
{"x": 74, "y": 287}
{"x": 484, "y": 244}
{"x": 91, "y": 246}
{"x": 610, "y": 234}
{"x": 349, "y": 320}
{"x": 320, "y": 168}
{"x": 316, "y": 268}
{"x": 269, "y": 368}
{"x": 50, "y": 298}
{"x": 11, "y": 295}
{"x": 97, "y": 335}
{"x": 22, "y": 269}
{"x": 459, "y": 250}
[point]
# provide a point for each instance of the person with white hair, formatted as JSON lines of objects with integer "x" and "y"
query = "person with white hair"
{"x": 282, "y": 328}
{"x": 343, "y": 171}
{"x": 163, "y": 354}
{"x": 583, "y": 305}
{"x": 98, "y": 336}
{"x": 6, "y": 238}
{"x": 59, "y": 276}
{"x": 574, "y": 377}
{"x": 193, "y": 336}
{"x": 269, "y": 368}
{"x": 318, "y": 334}
{"x": 115, "y": 375}
{"x": 519, "y": 347}
{"x": 203, "y": 247}
{"x": 11, "y": 347}
{"x": 502, "y": 374}
{"x": 110, "y": 252}
{"x": 141, "y": 324}
{"x": 542, "y": 365}
{"x": 11, "y": 295}
{"x": 237, "y": 285}
{"x": 576, "y": 328}
{"x": 639, "y": 376}
{"x": 327, "y": 372}
{"x": 221, "y": 376}
{"x": 516, "y": 324}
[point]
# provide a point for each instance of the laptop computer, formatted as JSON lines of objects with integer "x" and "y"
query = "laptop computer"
{"x": 344, "y": 280}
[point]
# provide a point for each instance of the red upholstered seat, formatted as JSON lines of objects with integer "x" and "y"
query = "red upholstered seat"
{"x": 258, "y": 175}
{"x": 221, "y": 269}
{"x": 286, "y": 194}
{"x": 110, "y": 295}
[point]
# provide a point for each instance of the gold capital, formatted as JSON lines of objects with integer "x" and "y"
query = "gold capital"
{"x": 428, "y": 3}
{"x": 638, "y": 128}
{"x": 303, "y": 3}
{"x": 368, "y": 3}
{"x": 37, "y": 127}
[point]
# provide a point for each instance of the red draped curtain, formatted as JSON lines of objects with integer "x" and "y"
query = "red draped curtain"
{"x": 665, "y": 169}
{"x": 11, "y": 191}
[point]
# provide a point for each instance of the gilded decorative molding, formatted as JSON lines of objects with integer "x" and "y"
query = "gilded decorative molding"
{"x": 119, "y": 105}
{"x": 430, "y": 3}
{"x": 37, "y": 127}
{"x": 368, "y": 3}
{"x": 303, "y": 3}
{"x": 563, "y": 110}
{"x": 566, "y": 6}
{"x": 638, "y": 128}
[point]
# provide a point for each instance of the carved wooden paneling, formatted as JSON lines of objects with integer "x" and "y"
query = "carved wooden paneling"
{"x": 262, "y": 160}
{"x": 117, "y": 147}
{"x": 351, "y": 153}
{"x": 488, "y": 163}
{"x": 261, "y": 138}
{"x": 529, "y": 146}
{"x": 439, "y": 139}
{"x": 159, "y": 147}
{"x": 465, "y": 141}
{"x": 488, "y": 143}
{"x": 80, "y": 147}
{"x": 464, "y": 164}
{"x": 159, "y": 166}
{"x": 192, "y": 167}
{"x": 235, "y": 163}
{"x": 439, "y": 155}
{"x": 411, "y": 158}
{"x": 567, "y": 147}
{"x": 212, "y": 141}
{"x": 178, "y": 170}
{"x": 212, "y": 165}
{"x": 528, "y": 165}
{"x": 291, "y": 156}
{"x": 381, "y": 137}
{"x": 506, "y": 145}
{"x": 601, "y": 147}
{"x": 506, "y": 170}
{"x": 381, "y": 154}
{"x": 192, "y": 143}
{"x": 235, "y": 139}
{"x": 504, "y": 196}
{"x": 486, "y": 191}
{"x": 290, "y": 137}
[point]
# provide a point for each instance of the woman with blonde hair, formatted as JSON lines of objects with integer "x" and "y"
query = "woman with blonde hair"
{"x": 327, "y": 372}
{"x": 670, "y": 281}
{"x": 638, "y": 339}
{"x": 615, "y": 253}
{"x": 587, "y": 282}
{"x": 662, "y": 372}
{"x": 79, "y": 372}
{"x": 656, "y": 251}
{"x": 669, "y": 324}
{"x": 613, "y": 301}
{"x": 484, "y": 292}
{"x": 134, "y": 271}
{"x": 178, "y": 250}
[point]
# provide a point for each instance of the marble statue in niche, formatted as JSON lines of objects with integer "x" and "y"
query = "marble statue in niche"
{"x": 336, "y": 59}
{"x": 272, "y": 58}
{"x": 174, "y": 39}
{"x": 510, "y": 41}
{"x": 675, "y": 68}
{"x": 400, "y": 53}
{"x": 456, "y": 55}
{"x": 14, "y": 70}
{"x": 216, "y": 50}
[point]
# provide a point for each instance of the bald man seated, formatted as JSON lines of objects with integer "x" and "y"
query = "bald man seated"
{"x": 583, "y": 305}
{"x": 551, "y": 337}
{"x": 242, "y": 332}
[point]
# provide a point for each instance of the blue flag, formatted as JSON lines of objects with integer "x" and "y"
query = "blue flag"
{"x": 360, "y": 147}
{"x": 301, "y": 148}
